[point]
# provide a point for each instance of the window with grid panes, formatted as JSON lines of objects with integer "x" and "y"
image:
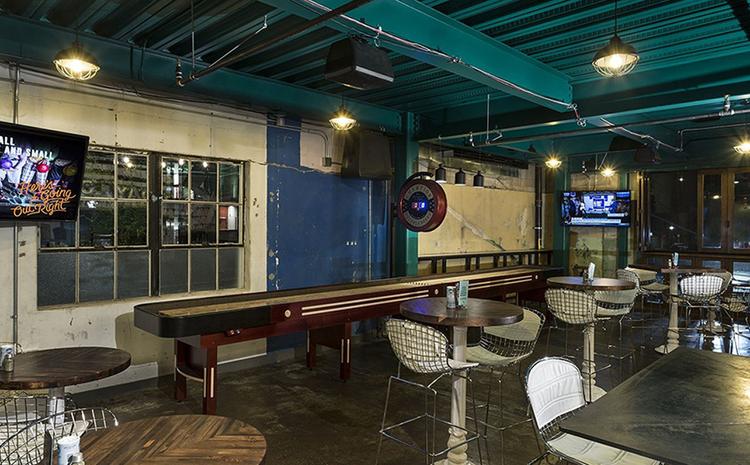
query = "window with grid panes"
{"x": 148, "y": 225}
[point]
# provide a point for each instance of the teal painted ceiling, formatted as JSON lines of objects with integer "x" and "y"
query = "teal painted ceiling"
{"x": 693, "y": 52}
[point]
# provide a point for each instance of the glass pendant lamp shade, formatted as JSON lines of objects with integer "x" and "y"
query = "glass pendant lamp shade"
{"x": 76, "y": 63}
{"x": 342, "y": 120}
{"x": 615, "y": 59}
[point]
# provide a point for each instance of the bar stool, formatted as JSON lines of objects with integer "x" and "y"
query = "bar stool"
{"x": 555, "y": 391}
{"x": 503, "y": 348}
{"x": 645, "y": 284}
{"x": 702, "y": 292}
{"x": 424, "y": 350}
{"x": 20, "y": 411}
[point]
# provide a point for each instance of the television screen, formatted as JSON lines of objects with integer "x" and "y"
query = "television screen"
{"x": 41, "y": 173}
{"x": 599, "y": 208}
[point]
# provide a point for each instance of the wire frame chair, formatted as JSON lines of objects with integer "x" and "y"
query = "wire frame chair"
{"x": 420, "y": 348}
{"x": 726, "y": 278}
{"x": 572, "y": 307}
{"x": 18, "y": 412}
{"x": 701, "y": 290}
{"x": 36, "y": 443}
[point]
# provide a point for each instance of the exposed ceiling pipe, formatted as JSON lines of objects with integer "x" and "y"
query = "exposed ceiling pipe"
{"x": 590, "y": 131}
{"x": 229, "y": 60}
{"x": 644, "y": 138}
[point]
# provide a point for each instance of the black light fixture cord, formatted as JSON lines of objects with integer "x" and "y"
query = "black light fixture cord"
{"x": 615, "y": 17}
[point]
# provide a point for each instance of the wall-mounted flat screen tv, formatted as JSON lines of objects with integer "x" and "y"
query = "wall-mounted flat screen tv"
{"x": 41, "y": 173}
{"x": 596, "y": 208}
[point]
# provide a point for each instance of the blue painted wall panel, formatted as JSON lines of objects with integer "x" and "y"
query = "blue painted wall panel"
{"x": 322, "y": 228}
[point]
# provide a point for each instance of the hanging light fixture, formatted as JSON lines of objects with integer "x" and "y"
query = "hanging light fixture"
{"x": 743, "y": 148}
{"x": 608, "y": 171}
{"x": 553, "y": 162}
{"x": 342, "y": 120}
{"x": 460, "y": 178}
{"x": 479, "y": 180}
{"x": 617, "y": 58}
{"x": 76, "y": 63}
{"x": 440, "y": 174}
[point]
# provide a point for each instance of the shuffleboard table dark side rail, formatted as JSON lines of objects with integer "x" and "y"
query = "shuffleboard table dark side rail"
{"x": 199, "y": 326}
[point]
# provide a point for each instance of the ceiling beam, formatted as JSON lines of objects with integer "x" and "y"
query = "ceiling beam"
{"x": 35, "y": 44}
{"x": 468, "y": 50}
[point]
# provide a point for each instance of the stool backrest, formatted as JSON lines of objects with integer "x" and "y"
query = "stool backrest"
{"x": 514, "y": 340}
{"x": 726, "y": 278}
{"x": 616, "y": 300}
{"x": 573, "y": 307}
{"x": 418, "y": 347}
{"x": 701, "y": 287}
{"x": 555, "y": 389}
{"x": 629, "y": 275}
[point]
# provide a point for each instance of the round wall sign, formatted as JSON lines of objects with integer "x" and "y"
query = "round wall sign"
{"x": 422, "y": 204}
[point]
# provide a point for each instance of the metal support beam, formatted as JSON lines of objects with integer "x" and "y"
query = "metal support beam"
{"x": 35, "y": 44}
{"x": 405, "y": 242}
{"x": 464, "y": 51}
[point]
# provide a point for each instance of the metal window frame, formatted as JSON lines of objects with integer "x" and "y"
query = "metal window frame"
{"x": 154, "y": 221}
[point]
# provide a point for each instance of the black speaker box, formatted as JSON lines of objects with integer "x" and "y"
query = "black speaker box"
{"x": 366, "y": 155}
{"x": 357, "y": 64}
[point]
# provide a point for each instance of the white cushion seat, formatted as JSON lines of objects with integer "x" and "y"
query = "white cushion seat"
{"x": 655, "y": 287}
{"x": 458, "y": 365}
{"x": 644, "y": 276}
{"x": 485, "y": 357}
{"x": 526, "y": 330}
{"x": 594, "y": 453}
{"x": 614, "y": 303}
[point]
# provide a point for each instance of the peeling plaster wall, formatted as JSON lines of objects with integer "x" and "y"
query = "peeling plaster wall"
{"x": 134, "y": 123}
{"x": 498, "y": 217}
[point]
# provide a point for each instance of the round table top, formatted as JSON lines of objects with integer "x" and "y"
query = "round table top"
{"x": 55, "y": 368}
{"x": 178, "y": 439}
{"x": 478, "y": 312}
{"x": 597, "y": 284}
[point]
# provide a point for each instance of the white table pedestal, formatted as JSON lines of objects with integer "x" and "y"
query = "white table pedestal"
{"x": 673, "y": 335}
{"x": 591, "y": 391}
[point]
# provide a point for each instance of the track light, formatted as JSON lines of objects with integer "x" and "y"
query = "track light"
{"x": 553, "y": 162}
{"x": 440, "y": 174}
{"x": 743, "y": 148}
{"x": 479, "y": 180}
{"x": 616, "y": 58}
{"x": 75, "y": 63}
{"x": 342, "y": 120}
{"x": 460, "y": 178}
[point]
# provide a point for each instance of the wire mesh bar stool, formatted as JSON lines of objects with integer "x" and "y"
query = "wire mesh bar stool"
{"x": 36, "y": 443}
{"x": 503, "y": 348}
{"x": 18, "y": 412}
{"x": 555, "y": 392}
{"x": 702, "y": 292}
{"x": 424, "y": 350}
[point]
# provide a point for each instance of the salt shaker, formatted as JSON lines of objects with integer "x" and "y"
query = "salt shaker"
{"x": 9, "y": 363}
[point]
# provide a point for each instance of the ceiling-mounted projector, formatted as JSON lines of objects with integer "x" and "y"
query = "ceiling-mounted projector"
{"x": 355, "y": 63}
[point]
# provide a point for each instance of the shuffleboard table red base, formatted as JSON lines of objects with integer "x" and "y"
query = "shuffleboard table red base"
{"x": 326, "y": 313}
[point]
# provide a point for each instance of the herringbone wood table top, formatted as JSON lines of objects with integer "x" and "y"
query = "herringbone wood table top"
{"x": 178, "y": 439}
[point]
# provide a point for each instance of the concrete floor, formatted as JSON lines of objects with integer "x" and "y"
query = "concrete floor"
{"x": 309, "y": 417}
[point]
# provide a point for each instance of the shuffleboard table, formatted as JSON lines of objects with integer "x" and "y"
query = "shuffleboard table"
{"x": 199, "y": 326}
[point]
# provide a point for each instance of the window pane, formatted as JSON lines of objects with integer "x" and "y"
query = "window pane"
{"x": 97, "y": 221}
{"x": 229, "y": 182}
{"x": 57, "y": 234}
{"x": 132, "y": 274}
{"x": 673, "y": 211}
{"x": 741, "y": 213}
{"x": 131, "y": 223}
{"x": 56, "y": 278}
{"x": 711, "y": 264}
{"x": 173, "y": 269}
{"x": 174, "y": 229}
{"x": 99, "y": 176}
{"x": 712, "y": 211}
{"x": 229, "y": 224}
{"x": 174, "y": 178}
{"x": 229, "y": 268}
{"x": 202, "y": 224}
{"x": 132, "y": 177}
{"x": 742, "y": 271}
{"x": 96, "y": 276}
{"x": 202, "y": 270}
{"x": 203, "y": 180}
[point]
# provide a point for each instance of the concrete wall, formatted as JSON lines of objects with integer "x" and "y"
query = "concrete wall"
{"x": 133, "y": 123}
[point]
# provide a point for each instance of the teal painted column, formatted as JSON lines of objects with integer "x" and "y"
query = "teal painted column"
{"x": 623, "y": 234}
{"x": 405, "y": 242}
{"x": 560, "y": 236}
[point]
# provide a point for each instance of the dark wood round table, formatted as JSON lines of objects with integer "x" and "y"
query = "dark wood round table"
{"x": 178, "y": 439}
{"x": 597, "y": 284}
{"x": 477, "y": 312}
{"x": 54, "y": 369}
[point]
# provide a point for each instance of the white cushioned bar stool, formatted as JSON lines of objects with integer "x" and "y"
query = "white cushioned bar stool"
{"x": 502, "y": 348}
{"x": 424, "y": 350}
{"x": 702, "y": 292}
{"x": 555, "y": 391}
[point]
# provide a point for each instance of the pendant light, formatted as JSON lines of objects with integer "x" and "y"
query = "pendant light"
{"x": 608, "y": 171}
{"x": 460, "y": 177}
{"x": 75, "y": 63}
{"x": 552, "y": 162}
{"x": 441, "y": 174}
{"x": 743, "y": 148}
{"x": 342, "y": 120}
{"x": 479, "y": 180}
{"x": 617, "y": 58}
